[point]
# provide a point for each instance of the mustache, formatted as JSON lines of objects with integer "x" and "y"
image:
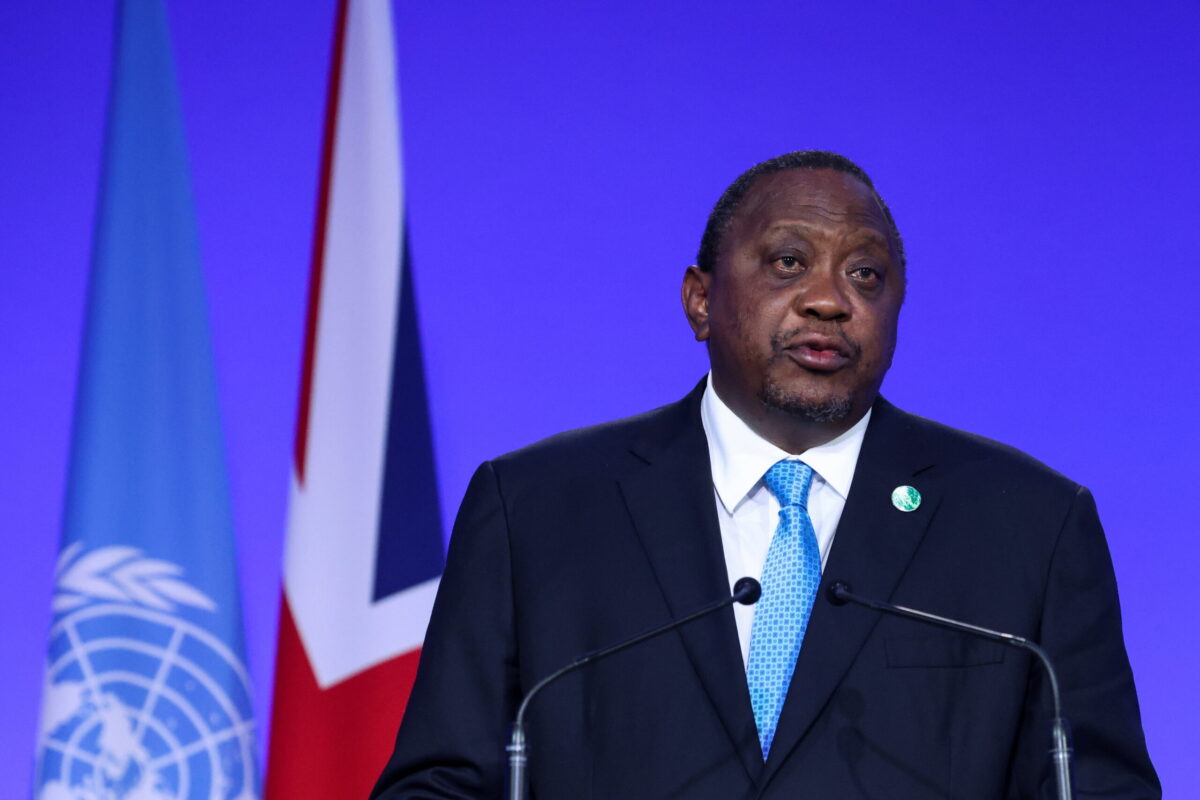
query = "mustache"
{"x": 784, "y": 339}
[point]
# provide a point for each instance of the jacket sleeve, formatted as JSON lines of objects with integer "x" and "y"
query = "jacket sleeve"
{"x": 1081, "y": 631}
{"x": 451, "y": 740}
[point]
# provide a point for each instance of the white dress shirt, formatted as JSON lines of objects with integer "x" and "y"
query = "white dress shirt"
{"x": 747, "y": 510}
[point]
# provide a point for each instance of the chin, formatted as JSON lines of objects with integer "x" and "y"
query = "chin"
{"x": 805, "y": 405}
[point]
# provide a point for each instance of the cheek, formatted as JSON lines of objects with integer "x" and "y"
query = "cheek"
{"x": 734, "y": 317}
{"x": 879, "y": 343}
{"x": 755, "y": 328}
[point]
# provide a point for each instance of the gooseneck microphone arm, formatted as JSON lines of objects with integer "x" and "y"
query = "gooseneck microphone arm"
{"x": 746, "y": 591}
{"x": 840, "y": 593}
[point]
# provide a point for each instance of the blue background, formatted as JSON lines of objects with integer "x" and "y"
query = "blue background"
{"x": 561, "y": 158}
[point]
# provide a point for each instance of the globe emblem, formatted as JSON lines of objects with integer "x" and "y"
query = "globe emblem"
{"x": 141, "y": 701}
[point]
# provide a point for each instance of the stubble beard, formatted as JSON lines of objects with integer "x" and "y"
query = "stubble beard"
{"x": 812, "y": 409}
{"x": 805, "y": 406}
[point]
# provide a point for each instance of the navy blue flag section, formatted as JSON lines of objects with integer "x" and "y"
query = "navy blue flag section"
{"x": 146, "y": 692}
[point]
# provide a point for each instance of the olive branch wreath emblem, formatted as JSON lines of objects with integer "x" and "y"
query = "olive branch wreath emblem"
{"x": 121, "y": 574}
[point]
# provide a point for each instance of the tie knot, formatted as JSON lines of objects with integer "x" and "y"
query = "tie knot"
{"x": 789, "y": 480}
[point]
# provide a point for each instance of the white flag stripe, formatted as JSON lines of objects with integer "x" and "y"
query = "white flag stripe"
{"x": 329, "y": 572}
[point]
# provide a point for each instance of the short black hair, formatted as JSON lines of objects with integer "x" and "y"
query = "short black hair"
{"x": 723, "y": 212}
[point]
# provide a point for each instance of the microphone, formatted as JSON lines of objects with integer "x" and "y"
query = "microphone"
{"x": 746, "y": 591}
{"x": 839, "y": 593}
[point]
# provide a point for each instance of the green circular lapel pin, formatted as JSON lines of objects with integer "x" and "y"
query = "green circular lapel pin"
{"x": 906, "y": 498}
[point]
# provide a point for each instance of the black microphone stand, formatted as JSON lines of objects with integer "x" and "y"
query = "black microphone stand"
{"x": 839, "y": 593}
{"x": 746, "y": 591}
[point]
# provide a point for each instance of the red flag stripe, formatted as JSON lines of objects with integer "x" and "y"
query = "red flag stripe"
{"x": 319, "y": 233}
{"x": 310, "y": 726}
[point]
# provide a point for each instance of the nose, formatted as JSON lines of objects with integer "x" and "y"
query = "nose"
{"x": 822, "y": 296}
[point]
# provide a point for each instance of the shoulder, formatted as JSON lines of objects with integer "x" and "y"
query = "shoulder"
{"x": 606, "y": 448}
{"x": 974, "y": 456}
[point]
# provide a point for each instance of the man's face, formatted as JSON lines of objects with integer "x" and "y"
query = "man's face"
{"x": 800, "y": 311}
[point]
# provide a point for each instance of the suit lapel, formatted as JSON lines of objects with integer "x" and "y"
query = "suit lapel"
{"x": 673, "y": 509}
{"x": 872, "y": 549}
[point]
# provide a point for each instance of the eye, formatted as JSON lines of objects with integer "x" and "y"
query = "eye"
{"x": 789, "y": 264}
{"x": 866, "y": 274}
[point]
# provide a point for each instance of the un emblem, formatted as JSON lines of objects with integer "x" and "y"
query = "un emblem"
{"x": 141, "y": 703}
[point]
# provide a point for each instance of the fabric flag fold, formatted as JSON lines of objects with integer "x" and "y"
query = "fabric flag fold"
{"x": 147, "y": 694}
{"x": 364, "y": 543}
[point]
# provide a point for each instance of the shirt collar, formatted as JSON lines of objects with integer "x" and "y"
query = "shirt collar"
{"x": 740, "y": 457}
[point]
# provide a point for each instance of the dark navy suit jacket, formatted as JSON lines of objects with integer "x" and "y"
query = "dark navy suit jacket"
{"x": 592, "y": 536}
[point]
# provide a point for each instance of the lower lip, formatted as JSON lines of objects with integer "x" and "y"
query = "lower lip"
{"x": 819, "y": 360}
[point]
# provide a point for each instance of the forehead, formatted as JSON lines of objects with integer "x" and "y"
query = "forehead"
{"x": 821, "y": 199}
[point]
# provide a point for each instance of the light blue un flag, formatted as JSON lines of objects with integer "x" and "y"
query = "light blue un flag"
{"x": 146, "y": 690}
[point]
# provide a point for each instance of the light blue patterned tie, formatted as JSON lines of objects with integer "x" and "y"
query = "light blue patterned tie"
{"x": 789, "y": 586}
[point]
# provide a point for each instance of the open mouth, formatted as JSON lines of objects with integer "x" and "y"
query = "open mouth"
{"x": 818, "y": 359}
{"x": 818, "y": 353}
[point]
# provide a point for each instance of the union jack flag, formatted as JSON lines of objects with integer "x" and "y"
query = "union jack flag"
{"x": 364, "y": 549}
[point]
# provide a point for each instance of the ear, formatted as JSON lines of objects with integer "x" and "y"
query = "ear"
{"x": 695, "y": 300}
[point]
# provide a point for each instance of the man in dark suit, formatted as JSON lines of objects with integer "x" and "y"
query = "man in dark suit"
{"x": 784, "y": 463}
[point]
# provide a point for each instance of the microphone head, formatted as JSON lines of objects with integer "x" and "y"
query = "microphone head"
{"x": 747, "y": 591}
{"x": 834, "y": 592}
